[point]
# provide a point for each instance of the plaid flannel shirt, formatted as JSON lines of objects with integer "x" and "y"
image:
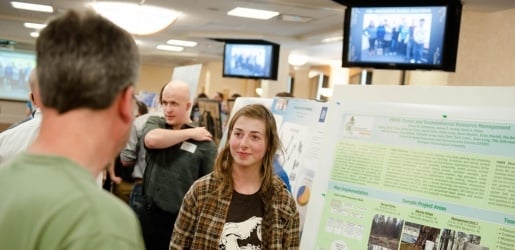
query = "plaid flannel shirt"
{"x": 202, "y": 217}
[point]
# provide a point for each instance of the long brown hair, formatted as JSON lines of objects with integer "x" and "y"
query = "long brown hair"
{"x": 224, "y": 160}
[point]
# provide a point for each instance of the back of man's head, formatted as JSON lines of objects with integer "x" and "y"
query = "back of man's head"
{"x": 84, "y": 61}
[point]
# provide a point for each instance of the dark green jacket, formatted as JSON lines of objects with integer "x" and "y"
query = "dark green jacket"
{"x": 171, "y": 171}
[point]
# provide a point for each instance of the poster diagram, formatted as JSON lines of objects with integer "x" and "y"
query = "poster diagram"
{"x": 294, "y": 139}
{"x": 301, "y": 129}
{"x": 420, "y": 180}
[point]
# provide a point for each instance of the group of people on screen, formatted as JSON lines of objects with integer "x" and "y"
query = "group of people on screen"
{"x": 387, "y": 38}
{"x": 181, "y": 192}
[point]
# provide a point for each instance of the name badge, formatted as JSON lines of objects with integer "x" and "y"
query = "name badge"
{"x": 190, "y": 147}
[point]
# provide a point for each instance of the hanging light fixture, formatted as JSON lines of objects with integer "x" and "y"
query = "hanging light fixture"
{"x": 138, "y": 19}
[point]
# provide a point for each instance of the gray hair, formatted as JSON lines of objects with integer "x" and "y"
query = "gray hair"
{"x": 84, "y": 61}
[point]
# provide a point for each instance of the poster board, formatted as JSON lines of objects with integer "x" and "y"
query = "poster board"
{"x": 189, "y": 74}
{"x": 416, "y": 168}
{"x": 301, "y": 126}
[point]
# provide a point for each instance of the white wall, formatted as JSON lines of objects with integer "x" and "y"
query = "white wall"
{"x": 486, "y": 54}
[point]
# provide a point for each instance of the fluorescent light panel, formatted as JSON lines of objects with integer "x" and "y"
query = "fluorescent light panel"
{"x": 170, "y": 48}
{"x": 32, "y": 7}
{"x": 252, "y": 13}
{"x": 34, "y": 34}
{"x": 182, "y": 43}
{"x": 37, "y": 26}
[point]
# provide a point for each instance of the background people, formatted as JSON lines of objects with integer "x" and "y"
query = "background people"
{"x": 240, "y": 203}
{"x": 177, "y": 155}
{"x": 124, "y": 179}
{"x": 87, "y": 114}
{"x": 133, "y": 157}
{"x": 371, "y": 33}
{"x": 195, "y": 110}
{"x": 419, "y": 36}
{"x": 17, "y": 138}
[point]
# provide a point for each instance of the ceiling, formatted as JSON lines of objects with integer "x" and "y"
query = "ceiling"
{"x": 205, "y": 20}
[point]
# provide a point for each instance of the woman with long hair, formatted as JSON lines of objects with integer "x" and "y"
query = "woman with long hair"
{"x": 241, "y": 203}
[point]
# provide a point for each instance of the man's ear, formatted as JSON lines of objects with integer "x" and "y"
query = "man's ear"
{"x": 126, "y": 104}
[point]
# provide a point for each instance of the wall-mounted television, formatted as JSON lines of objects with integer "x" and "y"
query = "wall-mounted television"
{"x": 402, "y": 34}
{"x": 255, "y": 59}
{"x": 15, "y": 68}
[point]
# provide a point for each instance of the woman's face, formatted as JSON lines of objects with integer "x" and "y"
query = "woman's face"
{"x": 248, "y": 142}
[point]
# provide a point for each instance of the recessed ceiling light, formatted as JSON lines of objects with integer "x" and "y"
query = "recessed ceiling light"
{"x": 297, "y": 59}
{"x": 182, "y": 43}
{"x": 170, "y": 48}
{"x": 33, "y": 7}
{"x": 34, "y": 34}
{"x": 37, "y": 26}
{"x": 139, "y": 19}
{"x": 332, "y": 39}
{"x": 252, "y": 13}
{"x": 294, "y": 18}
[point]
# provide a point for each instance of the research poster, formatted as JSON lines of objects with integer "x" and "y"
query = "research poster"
{"x": 428, "y": 177}
{"x": 302, "y": 127}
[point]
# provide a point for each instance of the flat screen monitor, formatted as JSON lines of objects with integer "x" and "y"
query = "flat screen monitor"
{"x": 402, "y": 36}
{"x": 254, "y": 59}
{"x": 15, "y": 68}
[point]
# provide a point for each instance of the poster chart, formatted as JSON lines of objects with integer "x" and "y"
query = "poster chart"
{"x": 418, "y": 176}
{"x": 189, "y": 74}
{"x": 301, "y": 128}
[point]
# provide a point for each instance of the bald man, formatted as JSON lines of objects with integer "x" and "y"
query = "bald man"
{"x": 177, "y": 155}
{"x": 19, "y": 136}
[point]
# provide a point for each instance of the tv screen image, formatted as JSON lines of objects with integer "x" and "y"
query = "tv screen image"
{"x": 15, "y": 68}
{"x": 249, "y": 59}
{"x": 402, "y": 35}
{"x": 397, "y": 35}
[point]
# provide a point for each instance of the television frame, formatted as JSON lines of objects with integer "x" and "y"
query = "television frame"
{"x": 450, "y": 37}
{"x": 273, "y": 59}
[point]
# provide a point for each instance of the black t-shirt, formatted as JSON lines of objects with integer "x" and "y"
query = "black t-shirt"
{"x": 243, "y": 224}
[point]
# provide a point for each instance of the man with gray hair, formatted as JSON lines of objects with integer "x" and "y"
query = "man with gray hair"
{"x": 87, "y": 68}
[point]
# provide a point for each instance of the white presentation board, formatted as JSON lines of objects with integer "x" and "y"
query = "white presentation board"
{"x": 416, "y": 168}
{"x": 189, "y": 74}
